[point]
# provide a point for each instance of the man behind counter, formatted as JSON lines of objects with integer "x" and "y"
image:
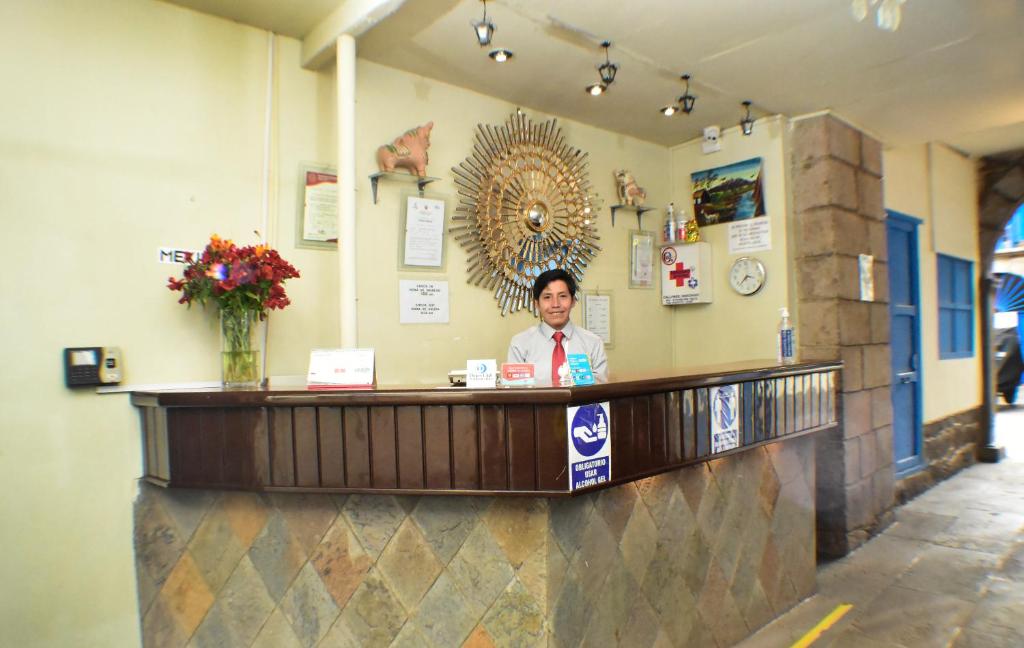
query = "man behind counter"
{"x": 547, "y": 344}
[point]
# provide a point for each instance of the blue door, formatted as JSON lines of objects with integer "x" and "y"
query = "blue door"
{"x": 904, "y": 316}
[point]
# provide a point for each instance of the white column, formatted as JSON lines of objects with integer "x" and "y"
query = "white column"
{"x": 346, "y": 92}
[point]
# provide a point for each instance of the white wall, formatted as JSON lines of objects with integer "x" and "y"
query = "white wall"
{"x": 126, "y": 125}
{"x": 733, "y": 327}
{"x": 939, "y": 186}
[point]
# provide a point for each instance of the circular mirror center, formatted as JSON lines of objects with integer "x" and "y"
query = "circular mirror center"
{"x": 537, "y": 217}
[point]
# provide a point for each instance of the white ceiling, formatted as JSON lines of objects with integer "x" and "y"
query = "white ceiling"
{"x": 953, "y": 72}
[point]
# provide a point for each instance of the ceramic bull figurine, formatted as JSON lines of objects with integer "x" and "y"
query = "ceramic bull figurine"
{"x": 408, "y": 151}
{"x": 629, "y": 193}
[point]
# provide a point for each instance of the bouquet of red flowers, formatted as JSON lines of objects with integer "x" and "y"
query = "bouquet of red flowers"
{"x": 244, "y": 282}
{"x": 239, "y": 280}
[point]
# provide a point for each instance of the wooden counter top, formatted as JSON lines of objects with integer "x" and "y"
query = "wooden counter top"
{"x": 460, "y": 441}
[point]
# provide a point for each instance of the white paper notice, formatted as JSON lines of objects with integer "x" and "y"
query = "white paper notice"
{"x": 423, "y": 302}
{"x": 424, "y": 232}
{"x": 599, "y": 316}
{"x": 866, "y": 264}
{"x": 320, "y": 220}
{"x": 750, "y": 235}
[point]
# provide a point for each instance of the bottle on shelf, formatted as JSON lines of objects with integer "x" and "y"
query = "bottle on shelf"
{"x": 669, "y": 231}
{"x": 787, "y": 348}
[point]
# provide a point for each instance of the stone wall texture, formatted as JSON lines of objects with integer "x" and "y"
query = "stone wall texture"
{"x": 839, "y": 214}
{"x": 950, "y": 445}
{"x": 701, "y": 556}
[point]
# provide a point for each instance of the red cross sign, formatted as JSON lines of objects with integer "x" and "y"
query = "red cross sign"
{"x": 680, "y": 274}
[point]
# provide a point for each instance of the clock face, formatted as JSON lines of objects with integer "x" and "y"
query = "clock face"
{"x": 747, "y": 275}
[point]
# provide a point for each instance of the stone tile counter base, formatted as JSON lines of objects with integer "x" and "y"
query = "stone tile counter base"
{"x": 700, "y": 556}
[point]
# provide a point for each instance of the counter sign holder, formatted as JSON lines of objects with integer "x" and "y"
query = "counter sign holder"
{"x": 590, "y": 447}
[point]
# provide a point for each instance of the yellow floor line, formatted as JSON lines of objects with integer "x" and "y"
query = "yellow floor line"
{"x": 823, "y": 625}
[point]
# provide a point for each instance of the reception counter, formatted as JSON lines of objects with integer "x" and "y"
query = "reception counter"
{"x": 443, "y": 517}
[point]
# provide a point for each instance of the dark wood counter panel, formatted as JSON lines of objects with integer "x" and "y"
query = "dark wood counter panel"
{"x": 420, "y": 440}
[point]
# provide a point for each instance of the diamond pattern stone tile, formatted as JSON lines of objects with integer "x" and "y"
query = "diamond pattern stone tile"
{"x": 277, "y": 556}
{"x": 446, "y": 615}
{"x": 410, "y": 637}
{"x": 308, "y": 516}
{"x": 247, "y": 513}
{"x": 158, "y": 543}
{"x": 409, "y": 565}
{"x": 694, "y": 482}
{"x": 480, "y": 570}
{"x": 479, "y": 638}
{"x": 595, "y": 556}
{"x": 373, "y": 617}
{"x": 309, "y": 607}
{"x": 517, "y": 525}
{"x": 216, "y": 547}
{"x": 185, "y": 595}
{"x": 641, "y": 625}
{"x": 568, "y": 519}
{"x": 276, "y": 633}
{"x": 638, "y": 542}
{"x": 374, "y": 519}
{"x": 239, "y": 611}
{"x": 340, "y": 561}
{"x": 718, "y": 608}
{"x": 557, "y": 571}
{"x": 533, "y": 573}
{"x": 185, "y": 506}
{"x": 613, "y": 602}
{"x": 666, "y": 587}
{"x": 515, "y": 620}
{"x": 569, "y": 617}
{"x": 160, "y": 628}
{"x": 657, "y": 493}
{"x": 616, "y": 506}
{"x": 768, "y": 492}
{"x": 446, "y": 522}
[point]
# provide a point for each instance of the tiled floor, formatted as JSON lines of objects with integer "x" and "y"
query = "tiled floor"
{"x": 948, "y": 572}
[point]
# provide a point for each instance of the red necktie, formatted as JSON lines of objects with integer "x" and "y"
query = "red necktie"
{"x": 557, "y": 358}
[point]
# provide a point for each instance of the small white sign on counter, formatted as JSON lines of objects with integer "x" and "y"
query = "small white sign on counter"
{"x": 481, "y": 374}
{"x": 423, "y": 302}
{"x": 340, "y": 368}
{"x": 750, "y": 235}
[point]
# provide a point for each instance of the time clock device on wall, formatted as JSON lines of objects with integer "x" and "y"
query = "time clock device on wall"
{"x": 747, "y": 276}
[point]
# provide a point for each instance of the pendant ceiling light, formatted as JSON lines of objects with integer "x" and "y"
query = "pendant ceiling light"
{"x": 607, "y": 71}
{"x": 747, "y": 123}
{"x": 483, "y": 28}
{"x": 684, "y": 103}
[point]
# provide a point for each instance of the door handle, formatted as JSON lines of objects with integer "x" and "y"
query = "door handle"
{"x": 907, "y": 377}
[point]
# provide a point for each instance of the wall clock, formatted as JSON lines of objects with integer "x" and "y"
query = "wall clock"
{"x": 525, "y": 206}
{"x": 747, "y": 275}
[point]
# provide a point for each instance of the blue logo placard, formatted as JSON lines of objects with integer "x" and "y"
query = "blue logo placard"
{"x": 725, "y": 428}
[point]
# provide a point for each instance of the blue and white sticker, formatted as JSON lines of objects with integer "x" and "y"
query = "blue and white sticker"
{"x": 725, "y": 418}
{"x": 590, "y": 446}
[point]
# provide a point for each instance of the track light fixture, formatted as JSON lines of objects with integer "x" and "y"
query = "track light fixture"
{"x": 483, "y": 28}
{"x": 687, "y": 100}
{"x": 747, "y": 123}
{"x": 607, "y": 72}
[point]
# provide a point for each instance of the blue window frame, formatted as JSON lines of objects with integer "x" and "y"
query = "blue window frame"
{"x": 956, "y": 307}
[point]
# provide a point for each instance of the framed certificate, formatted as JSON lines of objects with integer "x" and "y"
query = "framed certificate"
{"x": 316, "y": 221}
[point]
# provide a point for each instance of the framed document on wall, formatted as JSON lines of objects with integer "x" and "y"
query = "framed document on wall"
{"x": 421, "y": 232}
{"x": 641, "y": 259}
{"x": 316, "y": 221}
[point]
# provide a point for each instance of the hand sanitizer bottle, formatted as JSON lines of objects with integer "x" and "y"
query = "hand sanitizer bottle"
{"x": 670, "y": 224}
{"x": 787, "y": 348}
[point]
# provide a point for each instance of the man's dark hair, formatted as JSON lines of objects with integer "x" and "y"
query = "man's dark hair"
{"x": 553, "y": 275}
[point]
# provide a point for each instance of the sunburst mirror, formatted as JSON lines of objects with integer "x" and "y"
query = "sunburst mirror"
{"x": 524, "y": 207}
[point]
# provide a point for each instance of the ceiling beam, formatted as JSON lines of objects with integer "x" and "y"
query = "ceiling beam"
{"x": 353, "y": 17}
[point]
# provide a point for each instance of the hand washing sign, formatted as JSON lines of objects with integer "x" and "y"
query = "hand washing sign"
{"x": 590, "y": 446}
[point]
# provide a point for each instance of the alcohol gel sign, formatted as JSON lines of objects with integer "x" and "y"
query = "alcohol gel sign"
{"x": 590, "y": 446}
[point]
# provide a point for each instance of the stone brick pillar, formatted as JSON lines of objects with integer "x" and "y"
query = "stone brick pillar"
{"x": 839, "y": 214}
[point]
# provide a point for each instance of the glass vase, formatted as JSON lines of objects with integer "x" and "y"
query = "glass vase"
{"x": 239, "y": 357}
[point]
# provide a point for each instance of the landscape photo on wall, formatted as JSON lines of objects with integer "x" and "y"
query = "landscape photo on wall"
{"x": 728, "y": 193}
